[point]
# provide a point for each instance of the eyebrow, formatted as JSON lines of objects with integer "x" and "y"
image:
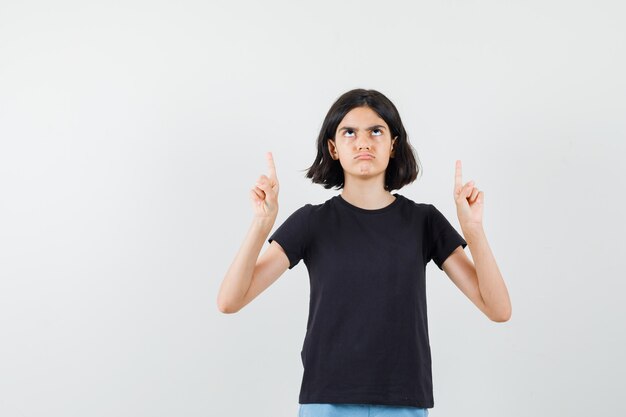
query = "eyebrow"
{"x": 354, "y": 128}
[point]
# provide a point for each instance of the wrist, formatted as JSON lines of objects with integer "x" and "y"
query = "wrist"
{"x": 263, "y": 223}
{"x": 472, "y": 229}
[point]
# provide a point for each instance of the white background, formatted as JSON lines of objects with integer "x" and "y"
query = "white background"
{"x": 131, "y": 133}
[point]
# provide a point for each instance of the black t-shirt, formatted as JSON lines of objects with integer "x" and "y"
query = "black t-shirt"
{"x": 367, "y": 332}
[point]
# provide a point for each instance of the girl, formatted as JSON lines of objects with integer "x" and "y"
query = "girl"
{"x": 366, "y": 351}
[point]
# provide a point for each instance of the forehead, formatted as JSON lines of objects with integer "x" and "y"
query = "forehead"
{"x": 362, "y": 117}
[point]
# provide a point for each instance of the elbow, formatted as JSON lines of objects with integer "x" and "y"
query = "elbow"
{"x": 502, "y": 316}
{"x": 500, "y": 319}
{"x": 223, "y": 308}
{"x": 226, "y": 308}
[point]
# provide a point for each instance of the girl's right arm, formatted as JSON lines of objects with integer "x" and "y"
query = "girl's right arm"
{"x": 248, "y": 274}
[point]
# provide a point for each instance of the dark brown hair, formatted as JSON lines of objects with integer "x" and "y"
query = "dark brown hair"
{"x": 403, "y": 167}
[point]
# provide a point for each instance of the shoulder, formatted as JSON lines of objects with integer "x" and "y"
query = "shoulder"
{"x": 307, "y": 210}
{"x": 427, "y": 210}
{"x": 416, "y": 208}
{"x": 311, "y": 208}
{"x": 317, "y": 208}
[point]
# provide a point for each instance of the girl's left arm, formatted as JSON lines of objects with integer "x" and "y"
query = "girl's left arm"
{"x": 481, "y": 281}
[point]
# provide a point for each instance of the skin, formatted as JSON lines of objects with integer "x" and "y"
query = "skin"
{"x": 481, "y": 280}
{"x": 264, "y": 194}
{"x": 364, "y": 179}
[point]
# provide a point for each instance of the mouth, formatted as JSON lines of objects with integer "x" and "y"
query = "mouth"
{"x": 364, "y": 156}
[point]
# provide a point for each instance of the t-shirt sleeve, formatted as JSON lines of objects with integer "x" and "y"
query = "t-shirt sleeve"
{"x": 443, "y": 238}
{"x": 293, "y": 235}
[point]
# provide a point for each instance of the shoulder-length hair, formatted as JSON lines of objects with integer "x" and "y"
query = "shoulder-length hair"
{"x": 403, "y": 167}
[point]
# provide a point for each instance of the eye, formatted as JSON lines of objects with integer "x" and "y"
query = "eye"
{"x": 348, "y": 131}
{"x": 377, "y": 130}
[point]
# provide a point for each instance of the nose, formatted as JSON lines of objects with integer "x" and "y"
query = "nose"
{"x": 362, "y": 142}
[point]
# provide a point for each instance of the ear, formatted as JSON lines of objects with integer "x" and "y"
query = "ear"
{"x": 332, "y": 149}
{"x": 393, "y": 151}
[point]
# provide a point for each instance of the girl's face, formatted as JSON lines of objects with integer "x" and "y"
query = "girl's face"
{"x": 362, "y": 144}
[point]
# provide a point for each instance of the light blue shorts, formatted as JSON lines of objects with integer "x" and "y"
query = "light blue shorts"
{"x": 360, "y": 410}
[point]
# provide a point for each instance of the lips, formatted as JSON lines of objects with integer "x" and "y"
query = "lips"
{"x": 364, "y": 155}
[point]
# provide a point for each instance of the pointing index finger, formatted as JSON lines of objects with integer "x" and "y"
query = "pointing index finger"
{"x": 270, "y": 165}
{"x": 457, "y": 174}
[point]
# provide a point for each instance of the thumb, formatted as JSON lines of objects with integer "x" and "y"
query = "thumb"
{"x": 266, "y": 186}
{"x": 467, "y": 190}
{"x": 464, "y": 192}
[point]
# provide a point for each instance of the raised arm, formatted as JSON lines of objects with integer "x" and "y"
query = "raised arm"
{"x": 247, "y": 268}
{"x": 480, "y": 281}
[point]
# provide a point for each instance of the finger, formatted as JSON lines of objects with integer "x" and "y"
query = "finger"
{"x": 263, "y": 182}
{"x": 462, "y": 193}
{"x": 255, "y": 197}
{"x": 473, "y": 195}
{"x": 259, "y": 193}
{"x": 467, "y": 189}
{"x": 457, "y": 175}
{"x": 271, "y": 166}
{"x": 266, "y": 188}
{"x": 272, "y": 185}
{"x": 268, "y": 180}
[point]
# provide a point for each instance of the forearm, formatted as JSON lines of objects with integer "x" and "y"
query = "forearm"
{"x": 492, "y": 287}
{"x": 239, "y": 274}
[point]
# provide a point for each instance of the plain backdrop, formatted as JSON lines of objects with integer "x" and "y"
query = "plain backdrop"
{"x": 132, "y": 131}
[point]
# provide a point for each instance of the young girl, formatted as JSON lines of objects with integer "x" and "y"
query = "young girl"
{"x": 366, "y": 351}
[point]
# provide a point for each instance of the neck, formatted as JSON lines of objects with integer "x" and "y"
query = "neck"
{"x": 366, "y": 194}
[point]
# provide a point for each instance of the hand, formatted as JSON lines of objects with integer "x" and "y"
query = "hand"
{"x": 469, "y": 201}
{"x": 265, "y": 194}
